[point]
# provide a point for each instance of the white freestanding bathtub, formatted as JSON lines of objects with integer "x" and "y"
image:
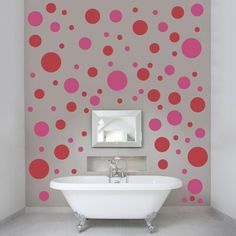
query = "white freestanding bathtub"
{"x": 94, "y": 197}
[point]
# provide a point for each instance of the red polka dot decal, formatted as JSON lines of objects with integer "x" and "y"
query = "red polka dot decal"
{"x": 83, "y": 56}
{"x": 61, "y": 152}
{"x": 197, "y": 156}
{"x": 38, "y": 169}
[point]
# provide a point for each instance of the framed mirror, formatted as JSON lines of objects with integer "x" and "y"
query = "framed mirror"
{"x": 117, "y": 128}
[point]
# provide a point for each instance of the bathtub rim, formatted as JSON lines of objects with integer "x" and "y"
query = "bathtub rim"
{"x": 58, "y": 185}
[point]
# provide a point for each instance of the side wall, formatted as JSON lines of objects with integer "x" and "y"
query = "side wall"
{"x": 223, "y": 178}
{"x": 12, "y": 144}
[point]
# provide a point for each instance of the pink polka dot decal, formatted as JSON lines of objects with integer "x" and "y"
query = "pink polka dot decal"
{"x": 115, "y": 16}
{"x": 41, "y": 129}
{"x": 197, "y": 9}
{"x": 91, "y": 55}
{"x": 195, "y": 186}
{"x": 94, "y": 100}
{"x": 191, "y": 48}
{"x": 174, "y": 117}
{"x": 35, "y": 18}
{"x": 117, "y": 80}
{"x": 44, "y": 196}
{"x": 85, "y": 43}
{"x": 71, "y": 85}
{"x": 154, "y": 124}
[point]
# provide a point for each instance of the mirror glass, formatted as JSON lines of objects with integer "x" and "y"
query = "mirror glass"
{"x": 116, "y": 128}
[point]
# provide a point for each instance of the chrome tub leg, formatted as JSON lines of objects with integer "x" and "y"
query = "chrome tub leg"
{"x": 149, "y": 222}
{"x": 82, "y": 221}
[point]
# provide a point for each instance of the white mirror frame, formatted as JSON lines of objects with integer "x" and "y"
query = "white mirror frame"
{"x": 97, "y": 114}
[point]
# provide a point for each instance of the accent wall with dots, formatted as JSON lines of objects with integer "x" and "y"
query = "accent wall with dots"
{"x": 152, "y": 56}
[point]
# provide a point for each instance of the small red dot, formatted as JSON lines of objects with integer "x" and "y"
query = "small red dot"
{"x": 159, "y": 107}
{"x": 71, "y": 27}
{"x": 135, "y": 9}
{"x": 84, "y": 133}
{"x": 192, "y": 198}
{"x": 190, "y": 124}
{"x": 64, "y": 12}
{"x": 160, "y": 78}
{"x": 61, "y": 45}
{"x": 84, "y": 94}
{"x": 119, "y": 37}
{"x": 86, "y": 110}
{"x": 197, "y": 29}
{"x": 71, "y": 106}
{"x": 39, "y": 93}
{"x": 175, "y": 137}
{"x": 150, "y": 65}
{"x": 174, "y": 53}
{"x": 55, "y": 82}
{"x": 99, "y": 91}
{"x": 74, "y": 171}
{"x": 194, "y": 74}
{"x": 119, "y": 101}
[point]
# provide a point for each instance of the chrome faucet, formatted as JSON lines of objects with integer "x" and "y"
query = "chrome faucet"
{"x": 115, "y": 172}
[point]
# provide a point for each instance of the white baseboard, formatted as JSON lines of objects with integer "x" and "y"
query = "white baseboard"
{"x": 224, "y": 217}
{"x": 13, "y": 216}
{"x": 48, "y": 210}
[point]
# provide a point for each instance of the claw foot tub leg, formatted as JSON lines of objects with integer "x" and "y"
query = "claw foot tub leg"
{"x": 82, "y": 222}
{"x": 149, "y": 221}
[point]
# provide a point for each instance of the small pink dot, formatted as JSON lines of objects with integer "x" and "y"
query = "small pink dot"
{"x": 200, "y": 201}
{"x": 135, "y": 64}
{"x": 106, "y": 34}
{"x": 141, "y": 91}
{"x": 81, "y": 149}
{"x": 134, "y": 98}
{"x": 32, "y": 75}
{"x": 154, "y": 12}
{"x": 70, "y": 140}
{"x": 200, "y": 88}
{"x": 127, "y": 48}
{"x": 43, "y": 196}
{"x": 53, "y": 108}
{"x": 178, "y": 151}
{"x": 110, "y": 63}
{"x": 55, "y": 27}
{"x": 30, "y": 109}
{"x": 169, "y": 70}
{"x": 41, "y": 149}
{"x": 187, "y": 140}
{"x": 184, "y": 171}
{"x": 56, "y": 171}
{"x": 163, "y": 27}
{"x": 184, "y": 200}
{"x": 76, "y": 66}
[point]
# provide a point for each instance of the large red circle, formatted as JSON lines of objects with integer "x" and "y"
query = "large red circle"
{"x": 51, "y": 7}
{"x": 162, "y": 144}
{"x": 61, "y": 152}
{"x": 92, "y": 16}
{"x": 38, "y": 169}
{"x": 197, "y": 156}
{"x": 140, "y": 27}
{"x": 35, "y": 40}
{"x": 60, "y": 124}
{"x": 177, "y": 12}
{"x": 51, "y": 62}
{"x": 198, "y": 104}
{"x": 174, "y": 98}
{"x": 154, "y": 95}
{"x": 163, "y": 164}
{"x": 143, "y": 74}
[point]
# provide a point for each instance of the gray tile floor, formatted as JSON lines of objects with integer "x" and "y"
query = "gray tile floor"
{"x": 170, "y": 222}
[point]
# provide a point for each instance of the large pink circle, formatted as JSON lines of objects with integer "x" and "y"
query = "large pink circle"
{"x": 117, "y": 80}
{"x": 200, "y": 133}
{"x": 44, "y": 196}
{"x": 41, "y": 129}
{"x": 169, "y": 70}
{"x": 191, "y": 48}
{"x": 55, "y": 27}
{"x": 85, "y": 43}
{"x": 174, "y": 117}
{"x": 35, "y": 18}
{"x": 94, "y": 100}
{"x": 195, "y": 186}
{"x": 197, "y": 9}
{"x": 116, "y": 16}
{"x": 155, "y": 124}
{"x": 184, "y": 82}
{"x": 71, "y": 85}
